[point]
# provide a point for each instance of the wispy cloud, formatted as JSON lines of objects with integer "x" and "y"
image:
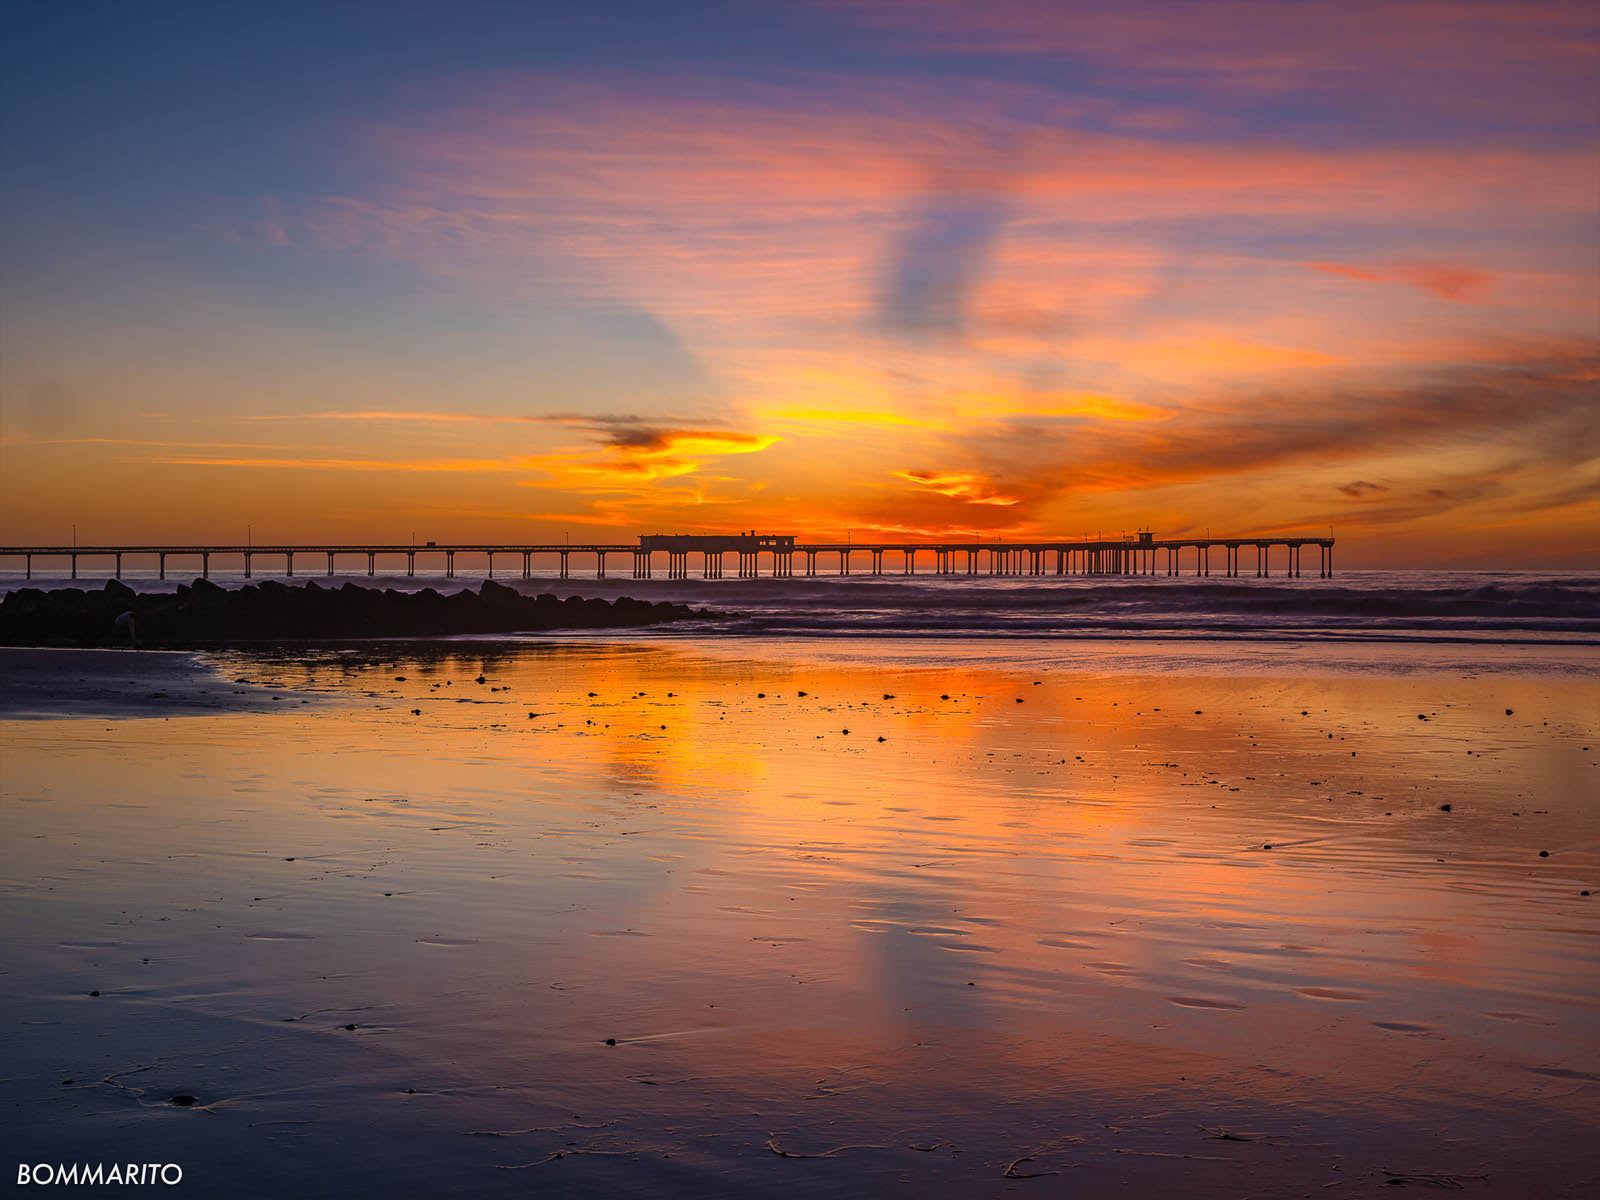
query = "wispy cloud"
{"x": 1502, "y": 419}
{"x": 636, "y": 454}
{"x": 1360, "y": 488}
{"x": 960, "y": 485}
{"x": 392, "y": 416}
{"x": 849, "y": 417}
{"x": 1441, "y": 279}
{"x": 838, "y": 196}
{"x": 1435, "y": 56}
{"x": 296, "y": 463}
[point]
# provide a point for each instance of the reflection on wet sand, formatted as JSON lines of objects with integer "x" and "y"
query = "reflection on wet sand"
{"x": 653, "y": 917}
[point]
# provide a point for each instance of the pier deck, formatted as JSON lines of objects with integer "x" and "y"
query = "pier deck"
{"x": 1143, "y": 555}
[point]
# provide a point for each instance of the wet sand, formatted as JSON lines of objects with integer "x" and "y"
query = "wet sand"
{"x": 41, "y": 683}
{"x": 1079, "y": 923}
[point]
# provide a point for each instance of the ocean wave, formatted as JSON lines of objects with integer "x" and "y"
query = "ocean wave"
{"x": 1377, "y": 605}
{"x": 1391, "y": 608}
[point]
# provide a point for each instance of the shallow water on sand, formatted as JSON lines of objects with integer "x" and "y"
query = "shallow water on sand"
{"x": 1042, "y": 921}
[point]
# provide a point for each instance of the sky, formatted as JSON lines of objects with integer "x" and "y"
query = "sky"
{"x": 889, "y": 269}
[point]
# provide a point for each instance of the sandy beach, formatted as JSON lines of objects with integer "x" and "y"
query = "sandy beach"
{"x": 643, "y": 917}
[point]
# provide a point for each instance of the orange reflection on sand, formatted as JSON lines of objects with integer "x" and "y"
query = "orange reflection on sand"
{"x": 1058, "y": 885}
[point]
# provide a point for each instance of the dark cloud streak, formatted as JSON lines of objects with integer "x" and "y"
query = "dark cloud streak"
{"x": 1533, "y": 417}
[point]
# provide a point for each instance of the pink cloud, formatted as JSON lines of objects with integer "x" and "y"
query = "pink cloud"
{"x": 792, "y": 201}
{"x": 1523, "y": 58}
{"x": 1441, "y": 279}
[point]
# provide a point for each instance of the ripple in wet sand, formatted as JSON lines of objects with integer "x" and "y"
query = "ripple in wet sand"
{"x": 1565, "y": 1073}
{"x": 1530, "y": 1018}
{"x": 1327, "y": 993}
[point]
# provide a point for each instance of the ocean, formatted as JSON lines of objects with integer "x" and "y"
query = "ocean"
{"x": 1558, "y": 609}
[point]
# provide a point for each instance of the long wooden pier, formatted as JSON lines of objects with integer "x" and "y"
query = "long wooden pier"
{"x": 1140, "y": 555}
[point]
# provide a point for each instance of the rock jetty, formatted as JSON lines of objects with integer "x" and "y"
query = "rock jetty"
{"x": 203, "y": 613}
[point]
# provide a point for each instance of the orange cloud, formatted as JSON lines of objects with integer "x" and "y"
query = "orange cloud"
{"x": 960, "y": 485}
{"x": 638, "y": 455}
{"x": 845, "y": 416}
{"x": 935, "y": 530}
{"x": 1079, "y": 404}
{"x": 1221, "y": 355}
{"x": 474, "y": 465}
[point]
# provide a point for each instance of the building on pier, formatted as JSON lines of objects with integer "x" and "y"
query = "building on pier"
{"x": 711, "y": 547}
{"x": 718, "y": 543}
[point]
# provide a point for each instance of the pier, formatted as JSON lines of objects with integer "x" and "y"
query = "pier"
{"x": 754, "y": 555}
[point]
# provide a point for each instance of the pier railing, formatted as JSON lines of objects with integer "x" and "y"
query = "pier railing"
{"x": 1137, "y": 556}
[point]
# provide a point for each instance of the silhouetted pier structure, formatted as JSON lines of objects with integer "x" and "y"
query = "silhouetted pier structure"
{"x": 1143, "y": 554}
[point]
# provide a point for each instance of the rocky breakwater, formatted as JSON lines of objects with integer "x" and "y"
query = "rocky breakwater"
{"x": 204, "y": 614}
